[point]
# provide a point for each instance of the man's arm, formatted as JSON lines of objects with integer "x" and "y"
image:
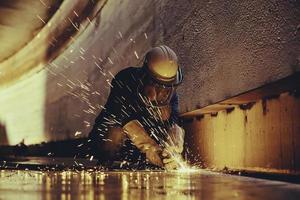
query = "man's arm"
{"x": 113, "y": 115}
{"x": 174, "y": 109}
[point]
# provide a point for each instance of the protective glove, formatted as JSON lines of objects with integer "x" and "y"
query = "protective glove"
{"x": 172, "y": 161}
{"x": 139, "y": 137}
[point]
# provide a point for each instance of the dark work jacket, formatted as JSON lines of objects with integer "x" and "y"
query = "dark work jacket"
{"x": 124, "y": 105}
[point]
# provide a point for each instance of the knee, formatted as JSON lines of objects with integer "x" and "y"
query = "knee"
{"x": 110, "y": 141}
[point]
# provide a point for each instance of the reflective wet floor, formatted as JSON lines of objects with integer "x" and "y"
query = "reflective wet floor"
{"x": 26, "y": 184}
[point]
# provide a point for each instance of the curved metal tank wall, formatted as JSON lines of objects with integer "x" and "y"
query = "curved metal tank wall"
{"x": 225, "y": 48}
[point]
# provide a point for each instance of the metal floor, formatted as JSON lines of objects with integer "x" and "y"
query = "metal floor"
{"x": 26, "y": 184}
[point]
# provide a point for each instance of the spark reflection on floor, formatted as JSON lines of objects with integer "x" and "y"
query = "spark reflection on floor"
{"x": 139, "y": 185}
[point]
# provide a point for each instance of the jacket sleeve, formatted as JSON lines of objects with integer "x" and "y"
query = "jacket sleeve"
{"x": 174, "y": 109}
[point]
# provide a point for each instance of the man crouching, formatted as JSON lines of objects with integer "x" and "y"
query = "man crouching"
{"x": 138, "y": 124}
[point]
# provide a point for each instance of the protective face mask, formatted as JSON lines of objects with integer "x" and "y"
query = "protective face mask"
{"x": 155, "y": 94}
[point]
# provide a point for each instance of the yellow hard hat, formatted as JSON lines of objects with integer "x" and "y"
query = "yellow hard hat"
{"x": 162, "y": 65}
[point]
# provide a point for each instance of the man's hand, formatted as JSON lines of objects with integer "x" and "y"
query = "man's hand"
{"x": 143, "y": 142}
{"x": 153, "y": 155}
{"x": 171, "y": 160}
{"x": 170, "y": 157}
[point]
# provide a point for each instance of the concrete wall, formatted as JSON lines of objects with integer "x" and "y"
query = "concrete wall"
{"x": 264, "y": 137}
{"x": 230, "y": 47}
{"x": 225, "y": 48}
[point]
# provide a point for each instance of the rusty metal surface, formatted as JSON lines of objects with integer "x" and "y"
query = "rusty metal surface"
{"x": 263, "y": 136}
{"x": 139, "y": 185}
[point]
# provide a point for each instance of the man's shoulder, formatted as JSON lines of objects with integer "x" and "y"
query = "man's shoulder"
{"x": 128, "y": 73}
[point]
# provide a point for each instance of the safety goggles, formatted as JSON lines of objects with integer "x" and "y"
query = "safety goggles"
{"x": 154, "y": 94}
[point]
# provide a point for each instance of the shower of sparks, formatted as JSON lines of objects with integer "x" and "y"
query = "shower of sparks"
{"x": 136, "y": 55}
{"x": 83, "y": 91}
{"x": 73, "y": 24}
{"x": 40, "y": 19}
{"x": 75, "y": 13}
{"x": 187, "y": 169}
{"x": 111, "y": 62}
{"x": 44, "y": 4}
{"x": 120, "y": 34}
{"x": 77, "y": 133}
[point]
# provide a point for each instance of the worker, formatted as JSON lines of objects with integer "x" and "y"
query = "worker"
{"x": 138, "y": 123}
